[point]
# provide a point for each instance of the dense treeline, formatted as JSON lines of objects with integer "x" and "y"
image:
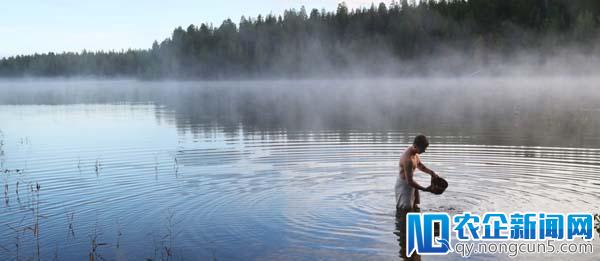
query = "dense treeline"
{"x": 375, "y": 39}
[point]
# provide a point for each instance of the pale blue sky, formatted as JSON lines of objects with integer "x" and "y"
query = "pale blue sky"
{"x": 30, "y": 26}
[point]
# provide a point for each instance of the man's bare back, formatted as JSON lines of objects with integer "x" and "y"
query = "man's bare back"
{"x": 409, "y": 161}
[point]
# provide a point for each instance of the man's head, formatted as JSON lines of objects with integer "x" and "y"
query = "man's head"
{"x": 421, "y": 143}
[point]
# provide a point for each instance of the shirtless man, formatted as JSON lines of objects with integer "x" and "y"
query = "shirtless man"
{"x": 407, "y": 190}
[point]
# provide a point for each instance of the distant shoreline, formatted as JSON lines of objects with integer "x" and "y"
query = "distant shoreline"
{"x": 431, "y": 38}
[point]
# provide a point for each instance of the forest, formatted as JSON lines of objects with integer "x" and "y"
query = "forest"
{"x": 398, "y": 38}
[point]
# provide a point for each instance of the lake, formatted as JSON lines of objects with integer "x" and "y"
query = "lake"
{"x": 121, "y": 169}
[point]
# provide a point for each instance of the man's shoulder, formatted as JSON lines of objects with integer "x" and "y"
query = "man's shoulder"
{"x": 406, "y": 160}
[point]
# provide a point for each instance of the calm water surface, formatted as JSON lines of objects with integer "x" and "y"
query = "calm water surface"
{"x": 279, "y": 170}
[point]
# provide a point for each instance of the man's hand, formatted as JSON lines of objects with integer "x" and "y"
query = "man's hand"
{"x": 434, "y": 175}
{"x": 428, "y": 189}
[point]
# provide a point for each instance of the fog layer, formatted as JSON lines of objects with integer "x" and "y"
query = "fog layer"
{"x": 516, "y": 111}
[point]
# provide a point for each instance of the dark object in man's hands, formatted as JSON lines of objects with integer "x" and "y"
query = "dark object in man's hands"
{"x": 438, "y": 185}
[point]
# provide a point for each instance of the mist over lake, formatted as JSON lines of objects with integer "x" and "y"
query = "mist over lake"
{"x": 300, "y": 130}
{"x": 302, "y": 169}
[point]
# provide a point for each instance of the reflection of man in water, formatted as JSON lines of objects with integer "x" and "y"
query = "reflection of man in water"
{"x": 407, "y": 190}
{"x": 401, "y": 233}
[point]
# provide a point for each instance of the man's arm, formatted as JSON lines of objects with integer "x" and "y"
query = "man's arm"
{"x": 408, "y": 169}
{"x": 422, "y": 167}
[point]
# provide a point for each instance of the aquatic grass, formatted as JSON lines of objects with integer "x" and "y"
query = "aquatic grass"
{"x": 1, "y": 150}
{"x": 25, "y": 141}
{"x": 97, "y": 167}
{"x": 119, "y": 234}
{"x": 36, "y": 216}
{"x": 6, "y": 194}
{"x": 18, "y": 230}
{"x": 167, "y": 241}
{"x": 71, "y": 218}
{"x": 164, "y": 251}
{"x": 94, "y": 245}
{"x": 176, "y": 166}
{"x": 17, "y": 193}
{"x": 170, "y": 236}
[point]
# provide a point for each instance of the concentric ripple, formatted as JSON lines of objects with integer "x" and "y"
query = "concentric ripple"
{"x": 237, "y": 193}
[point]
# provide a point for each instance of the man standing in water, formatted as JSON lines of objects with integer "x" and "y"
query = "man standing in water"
{"x": 407, "y": 190}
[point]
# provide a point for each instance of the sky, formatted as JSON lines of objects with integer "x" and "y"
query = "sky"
{"x": 40, "y": 26}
